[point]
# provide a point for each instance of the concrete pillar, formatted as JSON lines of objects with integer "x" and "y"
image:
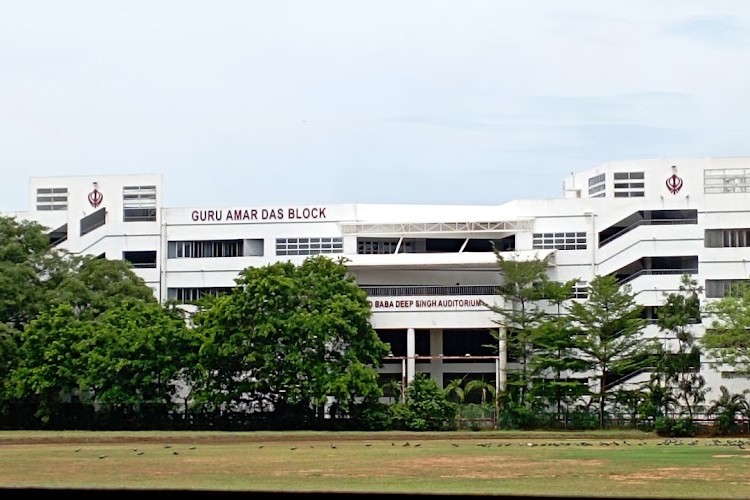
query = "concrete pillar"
{"x": 502, "y": 360}
{"x": 436, "y": 349}
{"x": 411, "y": 346}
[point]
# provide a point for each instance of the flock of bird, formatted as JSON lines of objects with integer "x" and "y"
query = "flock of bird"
{"x": 739, "y": 443}
{"x": 141, "y": 452}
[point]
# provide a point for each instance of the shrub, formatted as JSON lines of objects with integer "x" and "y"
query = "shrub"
{"x": 671, "y": 427}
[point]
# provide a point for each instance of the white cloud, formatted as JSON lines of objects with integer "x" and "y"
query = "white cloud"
{"x": 382, "y": 101}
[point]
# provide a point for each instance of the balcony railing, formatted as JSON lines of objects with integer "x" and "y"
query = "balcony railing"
{"x": 647, "y": 222}
{"x": 642, "y": 272}
{"x": 421, "y": 290}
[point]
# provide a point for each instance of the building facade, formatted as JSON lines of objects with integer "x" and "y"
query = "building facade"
{"x": 429, "y": 270}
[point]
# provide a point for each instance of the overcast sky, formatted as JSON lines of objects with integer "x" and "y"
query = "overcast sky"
{"x": 243, "y": 102}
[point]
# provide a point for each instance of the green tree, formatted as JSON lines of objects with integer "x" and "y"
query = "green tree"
{"x": 728, "y": 339}
{"x": 608, "y": 330}
{"x": 138, "y": 356}
{"x": 93, "y": 285}
{"x": 289, "y": 337}
{"x": 727, "y": 408}
{"x": 28, "y": 271}
{"x": 50, "y": 364}
{"x": 681, "y": 369}
{"x": 520, "y": 315}
{"x": 24, "y": 258}
{"x": 553, "y": 360}
{"x": 426, "y": 407}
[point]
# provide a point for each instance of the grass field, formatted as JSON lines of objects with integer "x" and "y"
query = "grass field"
{"x": 594, "y": 464}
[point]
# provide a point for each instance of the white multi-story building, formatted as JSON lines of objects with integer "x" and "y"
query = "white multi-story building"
{"x": 430, "y": 269}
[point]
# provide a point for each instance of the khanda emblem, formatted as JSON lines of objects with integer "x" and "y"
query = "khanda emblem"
{"x": 674, "y": 182}
{"x": 95, "y": 197}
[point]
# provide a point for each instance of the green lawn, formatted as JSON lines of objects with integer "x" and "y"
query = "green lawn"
{"x": 502, "y": 463}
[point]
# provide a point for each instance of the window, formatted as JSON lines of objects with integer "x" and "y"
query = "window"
{"x": 308, "y": 246}
{"x": 581, "y": 290}
{"x": 596, "y": 185}
{"x": 51, "y": 199}
{"x": 205, "y": 249}
{"x": 625, "y": 194}
{"x": 619, "y": 176}
{"x": 717, "y": 289}
{"x": 382, "y": 246}
{"x": 141, "y": 260}
{"x": 185, "y": 295}
{"x": 93, "y": 221}
{"x": 596, "y": 180}
{"x": 726, "y": 238}
{"x": 726, "y": 180}
{"x": 138, "y": 203}
{"x": 625, "y": 187}
{"x": 559, "y": 241}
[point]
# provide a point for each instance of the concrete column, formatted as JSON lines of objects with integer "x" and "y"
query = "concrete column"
{"x": 411, "y": 346}
{"x": 502, "y": 360}
{"x": 436, "y": 349}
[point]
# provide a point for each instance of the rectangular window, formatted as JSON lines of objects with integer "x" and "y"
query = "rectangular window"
{"x": 186, "y": 295}
{"x": 629, "y": 189}
{"x": 383, "y": 246}
{"x": 141, "y": 259}
{"x": 205, "y": 249}
{"x": 309, "y": 246}
{"x": 596, "y": 180}
{"x": 717, "y": 289}
{"x": 727, "y": 238}
{"x": 139, "y": 203}
{"x": 581, "y": 290}
{"x": 619, "y": 176}
{"x": 51, "y": 199}
{"x": 559, "y": 241}
{"x": 93, "y": 221}
{"x": 597, "y": 185}
{"x": 726, "y": 180}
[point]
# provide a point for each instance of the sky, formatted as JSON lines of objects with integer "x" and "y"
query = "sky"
{"x": 251, "y": 103}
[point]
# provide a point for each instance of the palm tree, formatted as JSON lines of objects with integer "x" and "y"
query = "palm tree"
{"x": 486, "y": 389}
{"x": 727, "y": 407}
{"x": 455, "y": 390}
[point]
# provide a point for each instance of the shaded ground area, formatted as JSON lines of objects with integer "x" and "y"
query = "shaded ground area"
{"x": 178, "y": 437}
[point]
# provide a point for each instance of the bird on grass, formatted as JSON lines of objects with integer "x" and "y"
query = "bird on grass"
{"x": 192, "y": 447}
{"x": 102, "y": 456}
{"x": 139, "y": 453}
{"x": 293, "y": 448}
{"x": 259, "y": 447}
{"x": 333, "y": 446}
{"x": 168, "y": 446}
{"x": 175, "y": 453}
{"x": 77, "y": 450}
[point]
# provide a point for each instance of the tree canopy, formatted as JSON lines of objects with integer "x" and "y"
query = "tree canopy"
{"x": 289, "y": 335}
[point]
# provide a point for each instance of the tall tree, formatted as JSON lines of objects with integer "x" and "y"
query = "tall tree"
{"x": 608, "y": 329}
{"x": 520, "y": 314}
{"x": 289, "y": 336}
{"x": 728, "y": 338}
{"x": 24, "y": 252}
{"x": 29, "y": 272}
{"x": 681, "y": 368}
{"x": 553, "y": 362}
{"x": 138, "y": 355}
{"x": 50, "y": 363}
